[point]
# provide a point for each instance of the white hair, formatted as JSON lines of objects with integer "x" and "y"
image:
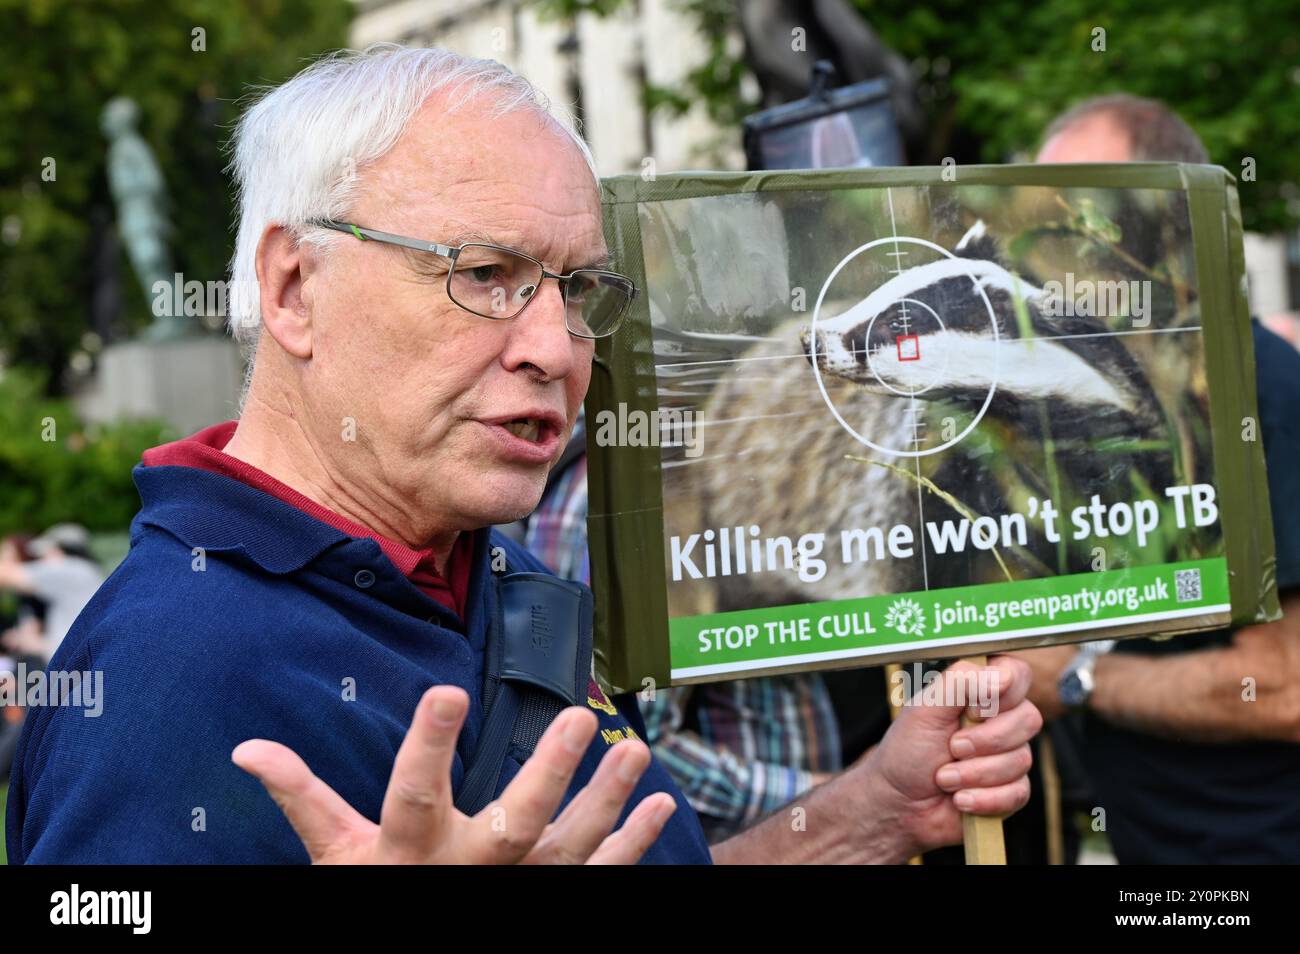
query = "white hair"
{"x": 297, "y": 149}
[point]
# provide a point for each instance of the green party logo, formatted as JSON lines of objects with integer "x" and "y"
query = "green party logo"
{"x": 906, "y": 617}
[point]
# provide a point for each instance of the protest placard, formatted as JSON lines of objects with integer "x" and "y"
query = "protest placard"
{"x": 871, "y": 416}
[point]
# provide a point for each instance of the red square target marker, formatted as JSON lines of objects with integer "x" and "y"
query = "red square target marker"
{"x": 909, "y": 348}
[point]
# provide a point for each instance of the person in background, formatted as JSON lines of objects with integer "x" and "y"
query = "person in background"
{"x": 63, "y": 576}
{"x": 21, "y": 645}
{"x": 19, "y": 610}
{"x": 742, "y": 749}
{"x": 1189, "y": 766}
{"x": 556, "y": 532}
{"x": 11, "y": 716}
{"x": 1286, "y": 326}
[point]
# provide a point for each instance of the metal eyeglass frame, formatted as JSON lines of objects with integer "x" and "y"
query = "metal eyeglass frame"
{"x": 453, "y": 253}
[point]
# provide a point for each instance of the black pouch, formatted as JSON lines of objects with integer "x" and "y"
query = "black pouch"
{"x": 538, "y": 662}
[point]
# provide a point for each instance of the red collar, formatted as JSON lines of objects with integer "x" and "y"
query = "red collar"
{"x": 205, "y": 450}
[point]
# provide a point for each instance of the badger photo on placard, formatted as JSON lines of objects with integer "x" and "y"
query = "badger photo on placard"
{"x": 899, "y": 419}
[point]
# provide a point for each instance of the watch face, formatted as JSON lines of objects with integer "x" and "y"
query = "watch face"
{"x": 1072, "y": 690}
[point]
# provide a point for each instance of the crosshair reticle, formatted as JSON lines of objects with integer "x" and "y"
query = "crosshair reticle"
{"x": 901, "y": 346}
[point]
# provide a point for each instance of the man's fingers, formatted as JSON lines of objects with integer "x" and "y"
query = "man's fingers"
{"x": 639, "y": 832}
{"x": 506, "y": 831}
{"x": 997, "y": 800}
{"x": 978, "y": 692}
{"x": 591, "y": 816}
{"x": 985, "y": 771}
{"x": 418, "y": 803}
{"x": 1011, "y": 677}
{"x": 317, "y": 813}
{"x": 1007, "y": 730}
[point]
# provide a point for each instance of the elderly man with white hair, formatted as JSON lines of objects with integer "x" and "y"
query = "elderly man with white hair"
{"x": 425, "y": 241}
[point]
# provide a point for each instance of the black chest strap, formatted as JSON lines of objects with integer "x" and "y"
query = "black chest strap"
{"x": 537, "y": 662}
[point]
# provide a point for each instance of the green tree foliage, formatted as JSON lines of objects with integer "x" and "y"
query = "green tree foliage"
{"x": 60, "y": 62}
{"x": 993, "y": 74}
{"x": 53, "y": 467}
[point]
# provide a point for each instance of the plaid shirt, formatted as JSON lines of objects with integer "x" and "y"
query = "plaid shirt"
{"x": 751, "y": 745}
{"x": 557, "y": 530}
{"x": 753, "y": 749}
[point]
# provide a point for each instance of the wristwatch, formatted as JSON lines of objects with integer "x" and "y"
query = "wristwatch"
{"x": 1074, "y": 687}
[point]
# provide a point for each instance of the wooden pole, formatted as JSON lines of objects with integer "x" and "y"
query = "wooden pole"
{"x": 982, "y": 834}
{"x": 1051, "y": 798}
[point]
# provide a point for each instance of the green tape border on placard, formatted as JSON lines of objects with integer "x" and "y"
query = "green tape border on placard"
{"x": 1239, "y": 474}
{"x": 625, "y": 524}
{"x": 1100, "y": 175}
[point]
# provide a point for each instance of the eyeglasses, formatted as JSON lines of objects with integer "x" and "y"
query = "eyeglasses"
{"x": 496, "y": 282}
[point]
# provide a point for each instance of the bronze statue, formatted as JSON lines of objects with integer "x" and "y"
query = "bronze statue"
{"x": 137, "y": 186}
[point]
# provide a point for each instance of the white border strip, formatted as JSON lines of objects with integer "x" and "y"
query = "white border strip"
{"x": 774, "y": 661}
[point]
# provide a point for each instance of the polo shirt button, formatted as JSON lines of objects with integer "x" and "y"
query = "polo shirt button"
{"x": 364, "y": 579}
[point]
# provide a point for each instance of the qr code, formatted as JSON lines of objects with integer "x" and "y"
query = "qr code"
{"x": 1187, "y": 585}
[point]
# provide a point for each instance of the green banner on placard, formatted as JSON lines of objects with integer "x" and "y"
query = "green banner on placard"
{"x": 843, "y": 629}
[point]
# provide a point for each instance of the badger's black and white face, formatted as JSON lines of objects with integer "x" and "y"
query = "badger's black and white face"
{"x": 948, "y": 331}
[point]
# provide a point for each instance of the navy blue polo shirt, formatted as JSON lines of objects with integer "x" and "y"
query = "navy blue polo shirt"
{"x": 1177, "y": 801}
{"x": 237, "y": 616}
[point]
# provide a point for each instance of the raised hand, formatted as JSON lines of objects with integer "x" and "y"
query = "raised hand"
{"x": 419, "y": 824}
